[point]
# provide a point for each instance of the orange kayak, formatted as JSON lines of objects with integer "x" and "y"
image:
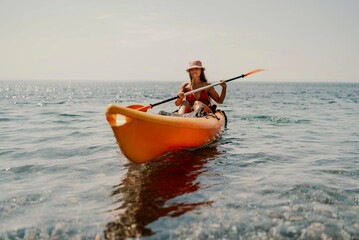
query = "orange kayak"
{"x": 144, "y": 136}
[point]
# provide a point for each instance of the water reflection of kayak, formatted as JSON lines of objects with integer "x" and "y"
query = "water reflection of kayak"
{"x": 149, "y": 192}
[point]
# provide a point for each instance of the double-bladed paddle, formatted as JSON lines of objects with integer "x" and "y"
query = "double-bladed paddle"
{"x": 145, "y": 108}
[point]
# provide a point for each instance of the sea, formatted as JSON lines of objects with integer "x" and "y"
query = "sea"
{"x": 285, "y": 167}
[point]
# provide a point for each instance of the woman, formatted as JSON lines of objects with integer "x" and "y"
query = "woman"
{"x": 203, "y": 98}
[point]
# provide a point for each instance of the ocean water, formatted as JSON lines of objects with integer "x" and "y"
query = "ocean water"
{"x": 286, "y": 167}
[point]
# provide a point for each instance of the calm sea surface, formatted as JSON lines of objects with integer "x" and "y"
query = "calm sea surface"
{"x": 286, "y": 167}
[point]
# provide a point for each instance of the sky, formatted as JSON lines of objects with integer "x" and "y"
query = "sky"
{"x": 137, "y": 40}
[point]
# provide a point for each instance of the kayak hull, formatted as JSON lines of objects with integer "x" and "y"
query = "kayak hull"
{"x": 144, "y": 136}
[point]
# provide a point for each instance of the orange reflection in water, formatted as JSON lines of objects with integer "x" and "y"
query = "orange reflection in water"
{"x": 144, "y": 193}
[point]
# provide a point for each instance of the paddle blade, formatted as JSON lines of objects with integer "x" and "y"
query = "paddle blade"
{"x": 254, "y": 71}
{"x": 140, "y": 107}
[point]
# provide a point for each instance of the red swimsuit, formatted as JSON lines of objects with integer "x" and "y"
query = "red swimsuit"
{"x": 203, "y": 98}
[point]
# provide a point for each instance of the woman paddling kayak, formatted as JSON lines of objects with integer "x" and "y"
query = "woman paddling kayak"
{"x": 203, "y": 98}
{"x": 143, "y": 136}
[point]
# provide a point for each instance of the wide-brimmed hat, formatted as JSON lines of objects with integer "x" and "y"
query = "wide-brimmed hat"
{"x": 195, "y": 64}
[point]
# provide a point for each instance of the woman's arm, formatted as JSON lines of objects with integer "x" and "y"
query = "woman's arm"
{"x": 215, "y": 96}
{"x": 181, "y": 94}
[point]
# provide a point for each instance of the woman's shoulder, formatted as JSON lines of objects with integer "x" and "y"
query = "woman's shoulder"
{"x": 185, "y": 84}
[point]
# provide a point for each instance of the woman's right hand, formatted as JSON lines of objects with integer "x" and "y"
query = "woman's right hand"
{"x": 179, "y": 99}
{"x": 180, "y": 95}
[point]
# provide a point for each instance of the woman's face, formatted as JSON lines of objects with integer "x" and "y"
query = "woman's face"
{"x": 195, "y": 72}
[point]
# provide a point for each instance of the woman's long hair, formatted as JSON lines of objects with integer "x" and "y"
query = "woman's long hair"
{"x": 202, "y": 76}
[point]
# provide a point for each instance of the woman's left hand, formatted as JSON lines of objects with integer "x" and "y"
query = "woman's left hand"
{"x": 223, "y": 83}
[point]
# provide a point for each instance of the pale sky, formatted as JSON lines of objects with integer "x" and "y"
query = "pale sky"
{"x": 306, "y": 40}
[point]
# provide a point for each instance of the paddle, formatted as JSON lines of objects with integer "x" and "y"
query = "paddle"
{"x": 145, "y": 108}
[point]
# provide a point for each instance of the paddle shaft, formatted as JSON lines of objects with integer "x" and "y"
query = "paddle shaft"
{"x": 195, "y": 90}
{"x": 199, "y": 89}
